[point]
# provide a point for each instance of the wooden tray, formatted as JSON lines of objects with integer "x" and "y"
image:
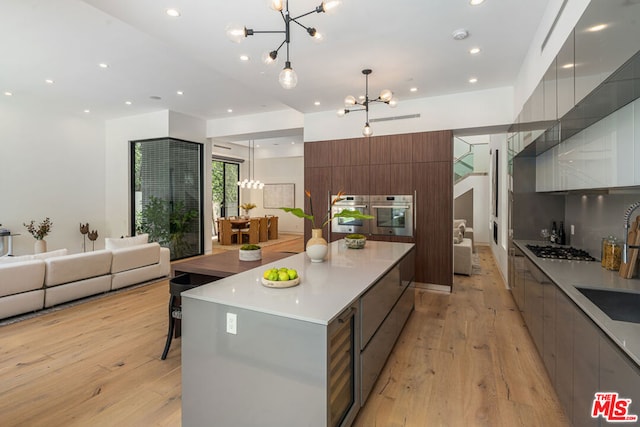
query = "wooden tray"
{"x": 281, "y": 283}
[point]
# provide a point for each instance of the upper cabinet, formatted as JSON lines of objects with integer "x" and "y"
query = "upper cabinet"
{"x": 606, "y": 36}
{"x": 550, "y": 95}
{"x": 565, "y": 77}
{"x": 317, "y": 154}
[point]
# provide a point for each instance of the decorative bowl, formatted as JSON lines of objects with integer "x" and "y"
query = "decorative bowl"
{"x": 281, "y": 283}
{"x": 357, "y": 243}
{"x": 250, "y": 255}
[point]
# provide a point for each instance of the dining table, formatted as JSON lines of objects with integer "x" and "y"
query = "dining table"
{"x": 237, "y": 224}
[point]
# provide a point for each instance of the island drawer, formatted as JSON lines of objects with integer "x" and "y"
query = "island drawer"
{"x": 377, "y": 302}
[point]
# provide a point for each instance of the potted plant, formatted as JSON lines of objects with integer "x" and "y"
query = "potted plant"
{"x": 317, "y": 246}
{"x": 39, "y": 232}
{"x": 355, "y": 241}
{"x": 250, "y": 253}
{"x": 246, "y": 207}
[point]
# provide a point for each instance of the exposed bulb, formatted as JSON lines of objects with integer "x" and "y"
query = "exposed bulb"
{"x": 276, "y": 5}
{"x": 341, "y": 112}
{"x": 393, "y": 103}
{"x": 349, "y": 101}
{"x": 236, "y": 33}
{"x": 366, "y": 131}
{"x": 318, "y": 37}
{"x": 288, "y": 78}
{"x": 270, "y": 58}
{"x": 261, "y": 185}
{"x": 386, "y": 95}
{"x": 330, "y": 5}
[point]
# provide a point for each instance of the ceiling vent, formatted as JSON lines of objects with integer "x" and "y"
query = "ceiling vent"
{"x": 386, "y": 119}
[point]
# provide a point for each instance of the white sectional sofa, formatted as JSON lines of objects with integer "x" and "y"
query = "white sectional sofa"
{"x": 32, "y": 282}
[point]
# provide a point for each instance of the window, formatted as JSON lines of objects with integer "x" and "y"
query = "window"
{"x": 166, "y": 196}
{"x": 224, "y": 188}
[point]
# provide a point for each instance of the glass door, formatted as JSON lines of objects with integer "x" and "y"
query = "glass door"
{"x": 224, "y": 188}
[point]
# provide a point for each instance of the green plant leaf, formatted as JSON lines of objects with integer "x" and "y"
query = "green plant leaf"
{"x": 298, "y": 212}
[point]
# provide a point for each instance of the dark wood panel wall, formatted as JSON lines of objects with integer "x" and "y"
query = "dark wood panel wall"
{"x": 416, "y": 163}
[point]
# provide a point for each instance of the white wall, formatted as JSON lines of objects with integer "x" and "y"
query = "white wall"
{"x": 458, "y": 111}
{"x": 52, "y": 165}
{"x": 289, "y": 170}
{"x": 500, "y": 252}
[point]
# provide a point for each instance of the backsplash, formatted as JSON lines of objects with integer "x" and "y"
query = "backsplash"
{"x": 597, "y": 216}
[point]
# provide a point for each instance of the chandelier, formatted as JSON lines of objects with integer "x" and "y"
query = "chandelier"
{"x": 251, "y": 182}
{"x": 288, "y": 78}
{"x": 386, "y": 96}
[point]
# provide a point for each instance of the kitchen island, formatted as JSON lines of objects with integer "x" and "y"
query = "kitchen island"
{"x": 301, "y": 356}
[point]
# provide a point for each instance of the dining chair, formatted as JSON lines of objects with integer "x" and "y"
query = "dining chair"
{"x": 264, "y": 229}
{"x": 273, "y": 228}
{"x": 226, "y": 232}
{"x": 252, "y": 232}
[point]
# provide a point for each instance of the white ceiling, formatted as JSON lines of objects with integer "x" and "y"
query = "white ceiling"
{"x": 407, "y": 43}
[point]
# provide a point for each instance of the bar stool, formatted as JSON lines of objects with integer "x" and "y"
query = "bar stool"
{"x": 177, "y": 285}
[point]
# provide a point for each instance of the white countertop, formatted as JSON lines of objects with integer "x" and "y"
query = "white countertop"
{"x": 325, "y": 290}
{"x": 568, "y": 275}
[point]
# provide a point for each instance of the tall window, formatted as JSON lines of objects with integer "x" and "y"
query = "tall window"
{"x": 224, "y": 188}
{"x": 166, "y": 196}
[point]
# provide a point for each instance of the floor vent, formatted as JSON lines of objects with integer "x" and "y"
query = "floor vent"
{"x": 386, "y": 119}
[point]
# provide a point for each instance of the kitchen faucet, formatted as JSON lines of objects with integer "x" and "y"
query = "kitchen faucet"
{"x": 626, "y": 246}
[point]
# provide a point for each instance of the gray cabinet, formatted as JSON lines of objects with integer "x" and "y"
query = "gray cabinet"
{"x": 564, "y": 352}
{"x": 384, "y": 309}
{"x": 586, "y": 362}
{"x": 565, "y": 74}
{"x": 619, "y": 374}
{"x": 533, "y": 302}
{"x": 549, "y": 326}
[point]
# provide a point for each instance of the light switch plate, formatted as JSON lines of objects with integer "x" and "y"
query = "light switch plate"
{"x": 232, "y": 323}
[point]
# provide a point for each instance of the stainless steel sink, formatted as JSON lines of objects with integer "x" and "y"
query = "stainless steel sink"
{"x": 618, "y": 305}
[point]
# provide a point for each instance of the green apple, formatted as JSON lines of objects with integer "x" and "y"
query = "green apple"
{"x": 266, "y": 274}
{"x": 283, "y": 275}
{"x": 273, "y": 276}
{"x": 292, "y": 273}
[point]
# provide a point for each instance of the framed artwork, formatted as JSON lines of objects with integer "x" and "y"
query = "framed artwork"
{"x": 276, "y": 196}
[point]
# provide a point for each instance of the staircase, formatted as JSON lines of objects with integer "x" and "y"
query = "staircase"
{"x": 464, "y": 159}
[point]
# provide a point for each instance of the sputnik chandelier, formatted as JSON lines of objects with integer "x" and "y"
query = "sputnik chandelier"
{"x": 288, "y": 78}
{"x": 386, "y": 96}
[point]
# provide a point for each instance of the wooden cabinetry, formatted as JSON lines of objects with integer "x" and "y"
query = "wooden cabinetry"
{"x": 418, "y": 164}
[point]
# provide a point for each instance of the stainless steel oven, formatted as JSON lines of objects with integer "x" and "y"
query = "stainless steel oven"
{"x": 350, "y": 225}
{"x": 393, "y": 215}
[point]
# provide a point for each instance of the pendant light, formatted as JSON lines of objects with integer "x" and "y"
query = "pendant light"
{"x": 251, "y": 183}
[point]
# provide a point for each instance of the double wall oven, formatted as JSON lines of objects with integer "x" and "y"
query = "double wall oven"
{"x": 393, "y": 215}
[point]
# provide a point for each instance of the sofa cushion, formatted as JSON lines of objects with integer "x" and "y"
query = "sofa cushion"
{"x": 75, "y": 267}
{"x": 457, "y": 236}
{"x": 44, "y": 255}
{"x": 457, "y": 222}
{"x": 21, "y": 276}
{"x": 134, "y": 257}
{"x": 125, "y": 242}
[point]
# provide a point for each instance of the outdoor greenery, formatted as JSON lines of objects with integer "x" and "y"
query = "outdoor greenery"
{"x": 224, "y": 187}
{"x": 166, "y": 224}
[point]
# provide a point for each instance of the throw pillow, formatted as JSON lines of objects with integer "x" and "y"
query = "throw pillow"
{"x": 125, "y": 242}
{"x": 457, "y": 237}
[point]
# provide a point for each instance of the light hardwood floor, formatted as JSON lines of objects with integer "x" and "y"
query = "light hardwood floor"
{"x": 464, "y": 359}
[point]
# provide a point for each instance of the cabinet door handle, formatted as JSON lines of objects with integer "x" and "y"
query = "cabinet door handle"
{"x": 346, "y": 315}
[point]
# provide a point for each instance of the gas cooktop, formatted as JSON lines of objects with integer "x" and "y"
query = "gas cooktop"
{"x": 560, "y": 252}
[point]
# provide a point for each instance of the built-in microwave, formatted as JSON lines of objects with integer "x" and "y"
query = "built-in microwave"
{"x": 393, "y": 215}
{"x": 346, "y": 224}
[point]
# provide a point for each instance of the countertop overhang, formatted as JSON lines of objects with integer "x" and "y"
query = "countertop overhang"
{"x": 569, "y": 275}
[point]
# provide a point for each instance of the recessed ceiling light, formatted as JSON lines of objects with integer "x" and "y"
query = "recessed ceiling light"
{"x": 174, "y": 13}
{"x": 127, "y": 102}
{"x": 473, "y": 80}
{"x": 474, "y": 50}
{"x": 180, "y": 92}
{"x": 293, "y": 142}
{"x": 258, "y": 145}
{"x": 413, "y": 89}
{"x": 49, "y": 81}
{"x": 460, "y": 34}
{"x": 229, "y": 110}
{"x": 569, "y": 65}
{"x": 316, "y": 103}
{"x": 103, "y": 65}
{"x": 475, "y": 2}
{"x": 8, "y": 94}
{"x": 598, "y": 27}
{"x": 87, "y": 111}
{"x": 244, "y": 57}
